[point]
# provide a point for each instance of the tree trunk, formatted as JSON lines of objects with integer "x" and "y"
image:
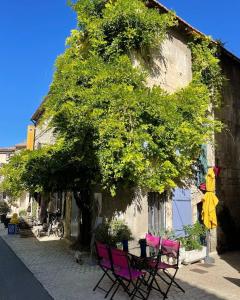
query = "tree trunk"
{"x": 83, "y": 200}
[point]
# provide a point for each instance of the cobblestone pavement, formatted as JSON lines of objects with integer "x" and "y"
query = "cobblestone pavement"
{"x": 53, "y": 264}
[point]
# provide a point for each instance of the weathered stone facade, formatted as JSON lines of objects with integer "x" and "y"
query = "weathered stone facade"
{"x": 43, "y": 135}
{"x": 228, "y": 157}
{"x": 171, "y": 68}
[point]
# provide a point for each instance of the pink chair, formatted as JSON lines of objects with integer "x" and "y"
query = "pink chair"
{"x": 127, "y": 277}
{"x": 169, "y": 249}
{"x": 153, "y": 241}
{"x": 104, "y": 262}
{"x": 152, "y": 263}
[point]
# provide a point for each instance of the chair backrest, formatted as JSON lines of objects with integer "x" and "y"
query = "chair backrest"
{"x": 170, "y": 248}
{"x": 119, "y": 258}
{"x": 102, "y": 251}
{"x": 153, "y": 241}
{"x": 120, "y": 262}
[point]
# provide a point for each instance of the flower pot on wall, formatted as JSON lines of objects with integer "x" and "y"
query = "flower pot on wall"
{"x": 194, "y": 256}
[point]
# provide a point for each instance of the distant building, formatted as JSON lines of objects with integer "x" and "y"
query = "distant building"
{"x": 5, "y": 155}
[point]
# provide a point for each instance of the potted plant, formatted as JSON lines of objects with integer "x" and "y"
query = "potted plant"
{"x": 113, "y": 233}
{"x": 192, "y": 244}
{"x": 102, "y": 233}
{"x": 4, "y": 210}
{"x": 120, "y": 233}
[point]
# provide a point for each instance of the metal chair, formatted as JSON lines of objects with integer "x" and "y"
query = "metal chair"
{"x": 104, "y": 262}
{"x": 129, "y": 278}
{"x": 169, "y": 249}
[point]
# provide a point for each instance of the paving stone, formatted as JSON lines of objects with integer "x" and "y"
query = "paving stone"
{"x": 54, "y": 266}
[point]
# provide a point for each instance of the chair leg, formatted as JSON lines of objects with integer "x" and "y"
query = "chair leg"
{"x": 115, "y": 291}
{"x": 150, "y": 285}
{"x": 158, "y": 287}
{"x": 174, "y": 281}
{"x": 170, "y": 284}
{"x": 99, "y": 281}
{"x": 114, "y": 282}
{"x": 136, "y": 289}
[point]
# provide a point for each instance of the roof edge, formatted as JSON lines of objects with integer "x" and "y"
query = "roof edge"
{"x": 192, "y": 29}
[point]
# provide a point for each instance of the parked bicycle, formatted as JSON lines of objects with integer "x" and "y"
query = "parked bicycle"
{"x": 55, "y": 225}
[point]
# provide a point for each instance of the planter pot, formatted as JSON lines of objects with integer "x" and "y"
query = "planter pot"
{"x": 125, "y": 245}
{"x": 143, "y": 247}
{"x": 182, "y": 254}
{"x": 194, "y": 256}
{"x": 13, "y": 228}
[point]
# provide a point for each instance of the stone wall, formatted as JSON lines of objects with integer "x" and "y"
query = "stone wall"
{"x": 43, "y": 135}
{"x": 171, "y": 68}
{"x": 171, "y": 65}
{"x": 228, "y": 158}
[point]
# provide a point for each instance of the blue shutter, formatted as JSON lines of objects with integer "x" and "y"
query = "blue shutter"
{"x": 182, "y": 209}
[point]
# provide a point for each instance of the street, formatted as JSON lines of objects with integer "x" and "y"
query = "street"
{"x": 16, "y": 281}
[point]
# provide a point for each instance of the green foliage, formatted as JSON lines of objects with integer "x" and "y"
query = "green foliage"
{"x": 120, "y": 231}
{"x": 111, "y": 128}
{"x": 165, "y": 233}
{"x": 206, "y": 65}
{"x": 112, "y": 28}
{"x": 136, "y": 135}
{"x": 46, "y": 168}
{"x": 12, "y": 173}
{"x": 113, "y": 232}
{"x": 102, "y": 233}
{"x": 34, "y": 209}
{"x": 193, "y": 235}
{"x": 4, "y": 207}
{"x": 22, "y": 213}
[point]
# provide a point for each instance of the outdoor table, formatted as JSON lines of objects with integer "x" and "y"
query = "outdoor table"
{"x": 140, "y": 255}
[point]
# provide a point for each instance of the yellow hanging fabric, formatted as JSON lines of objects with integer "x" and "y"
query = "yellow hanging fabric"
{"x": 210, "y": 202}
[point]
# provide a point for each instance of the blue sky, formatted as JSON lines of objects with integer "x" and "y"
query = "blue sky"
{"x": 33, "y": 34}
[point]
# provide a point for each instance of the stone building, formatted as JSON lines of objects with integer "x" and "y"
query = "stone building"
{"x": 145, "y": 211}
{"x": 62, "y": 201}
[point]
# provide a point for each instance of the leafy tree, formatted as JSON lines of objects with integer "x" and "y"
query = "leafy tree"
{"x": 139, "y": 136}
{"x": 12, "y": 173}
{"x": 111, "y": 128}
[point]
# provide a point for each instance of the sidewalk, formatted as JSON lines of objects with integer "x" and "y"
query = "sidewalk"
{"x": 53, "y": 264}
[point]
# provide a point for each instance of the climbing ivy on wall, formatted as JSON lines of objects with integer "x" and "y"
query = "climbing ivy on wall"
{"x": 206, "y": 65}
{"x": 114, "y": 130}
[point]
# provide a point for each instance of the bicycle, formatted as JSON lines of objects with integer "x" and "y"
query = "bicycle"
{"x": 55, "y": 225}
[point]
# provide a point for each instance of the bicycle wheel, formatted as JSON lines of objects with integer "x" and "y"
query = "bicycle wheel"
{"x": 60, "y": 230}
{"x": 49, "y": 231}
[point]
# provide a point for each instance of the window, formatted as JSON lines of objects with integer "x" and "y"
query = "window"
{"x": 156, "y": 212}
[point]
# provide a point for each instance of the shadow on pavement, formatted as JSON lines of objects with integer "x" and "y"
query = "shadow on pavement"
{"x": 235, "y": 281}
{"x": 233, "y": 259}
